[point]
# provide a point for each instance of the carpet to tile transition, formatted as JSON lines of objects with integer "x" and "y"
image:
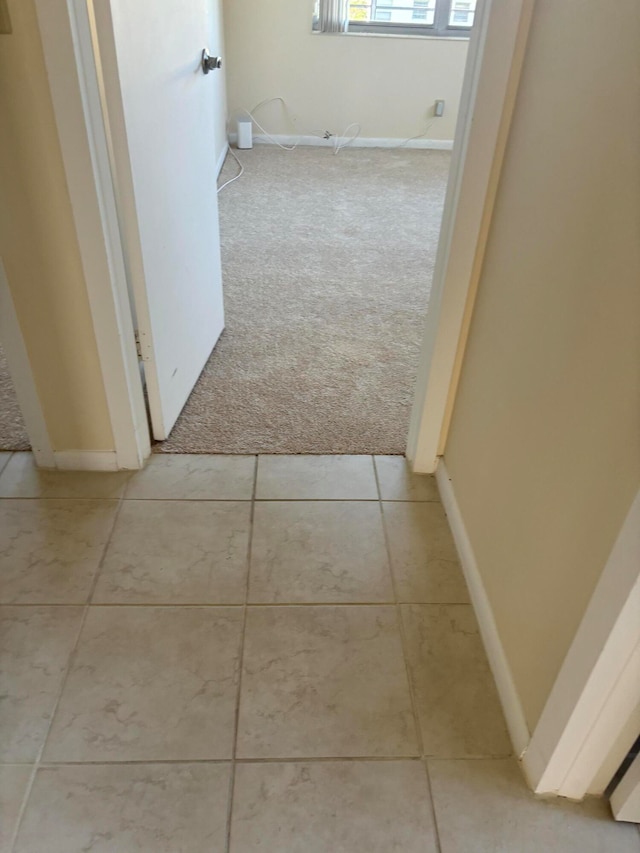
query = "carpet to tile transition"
{"x": 327, "y": 263}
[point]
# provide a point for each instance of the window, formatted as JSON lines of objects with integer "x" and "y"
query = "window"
{"x": 462, "y": 13}
{"x": 420, "y": 10}
{"x": 411, "y": 17}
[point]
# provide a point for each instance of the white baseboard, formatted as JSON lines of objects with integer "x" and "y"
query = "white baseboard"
{"x": 360, "y": 142}
{"x": 86, "y": 460}
{"x": 511, "y": 706}
{"x": 221, "y": 158}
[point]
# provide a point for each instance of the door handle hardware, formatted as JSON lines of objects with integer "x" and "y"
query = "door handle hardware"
{"x": 210, "y": 63}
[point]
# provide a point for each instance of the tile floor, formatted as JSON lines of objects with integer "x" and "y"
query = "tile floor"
{"x": 231, "y": 654}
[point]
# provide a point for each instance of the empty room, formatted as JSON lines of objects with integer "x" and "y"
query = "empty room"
{"x": 329, "y": 235}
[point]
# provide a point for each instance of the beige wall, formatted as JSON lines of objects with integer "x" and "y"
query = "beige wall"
{"x": 544, "y": 448}
{"x": 387, "y": 84}
{"x": 39, "y": 249}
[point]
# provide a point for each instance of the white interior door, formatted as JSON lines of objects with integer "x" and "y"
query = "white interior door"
{"x": 160, "y": 108}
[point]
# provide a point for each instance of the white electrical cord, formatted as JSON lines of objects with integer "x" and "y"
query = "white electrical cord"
{"x": 235, "y": 177}
{"x": 290, "y": 117}
{"x": 251, "y": 115}
{"x": 417, "y": 136}
{"x": 337, "y": 146}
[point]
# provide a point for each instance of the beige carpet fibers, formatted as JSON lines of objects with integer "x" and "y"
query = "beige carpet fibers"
{"x": 327, "y": 265}
{"x": 13, "y": 435}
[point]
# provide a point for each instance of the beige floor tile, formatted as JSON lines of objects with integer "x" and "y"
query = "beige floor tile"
{"x": 22, "y": 479}
{"x": 484, "y": 806}
{"x": 35, "y": 644}
{"x": 155, "y": 808}
{"x": 316, "y": 478}
{"x": 13, "y": 786}
{"x": 150, "y": 684}
{"x": 50, "y": 549}
{"x": 342, "y": 807}
{"x": 324, "y": 681}
{"x": 423, "y": 557}
{"x": 173, "y": 552}
{"x": 399, "y": 483}
{"x": 456, "y": 699}
{"x": 181, "y": 476}
{"x": 319, "y": 551}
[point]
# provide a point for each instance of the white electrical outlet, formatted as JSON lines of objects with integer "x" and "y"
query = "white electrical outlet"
{"x": 438, "y": 109}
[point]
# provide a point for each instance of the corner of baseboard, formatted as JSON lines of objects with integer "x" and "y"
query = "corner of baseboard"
{"x": 509, "y": 698}
{"x": 533, "y": 765}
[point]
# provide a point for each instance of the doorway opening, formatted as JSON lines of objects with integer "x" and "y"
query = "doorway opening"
{"x": 329, "y": 237}
{"x": 327, "y": 250}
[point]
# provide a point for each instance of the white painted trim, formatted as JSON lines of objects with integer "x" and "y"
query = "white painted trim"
{"x": 86, "y": 460}
{"x": 509, "y": 698}
{"x": 597, "y": 689}
{"x": 625, "y": 800}
{"x": 360, "y": 142}
{"x": 68, "y": 53}
{"x": 592, "y": 716}
{"x": 492, "y": 73}
{"x": 221, "y": 158}
{"x": 22, "y": 377}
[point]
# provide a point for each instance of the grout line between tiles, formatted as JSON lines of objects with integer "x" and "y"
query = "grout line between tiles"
{"x": 280, "y": 759}
{"x": 232, "y": 775}
{"x": 229, "y": 499}
{"x": 342, "y": 500}
{"x": 249, "y": 604}
{"x": 403, "y": 641}
{"x": 399, "y": 617}
{"x": 434, "y": 813}
{"x": 68, "y": 499}
{"x": 311, "y": 759}
{"x": 115, "y": 499}
{"x": 65, "y": 677}
{"x": 8, "y": 454}
{"x": 198, "y": 500}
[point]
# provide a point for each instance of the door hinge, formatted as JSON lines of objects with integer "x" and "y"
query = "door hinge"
{"x": 136, "y": 335}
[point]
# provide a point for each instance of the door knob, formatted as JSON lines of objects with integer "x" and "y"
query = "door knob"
{"x": 210, "y": 63}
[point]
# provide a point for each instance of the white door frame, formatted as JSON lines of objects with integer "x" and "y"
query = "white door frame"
{"x": 492, "y": 74}
{"x": 68, "y": 54}
{"x": 491, "y": 78}
{"x": 592, "y": 716}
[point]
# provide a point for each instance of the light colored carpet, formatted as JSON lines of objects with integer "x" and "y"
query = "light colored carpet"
{"x": 327, "y": 264}
{"x": 13, "y": 435}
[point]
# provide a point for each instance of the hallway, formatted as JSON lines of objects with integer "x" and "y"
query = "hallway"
{"x": 231, "y": 653}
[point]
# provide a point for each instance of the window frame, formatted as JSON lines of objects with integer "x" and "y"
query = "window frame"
{"x": 439, "y": 29}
